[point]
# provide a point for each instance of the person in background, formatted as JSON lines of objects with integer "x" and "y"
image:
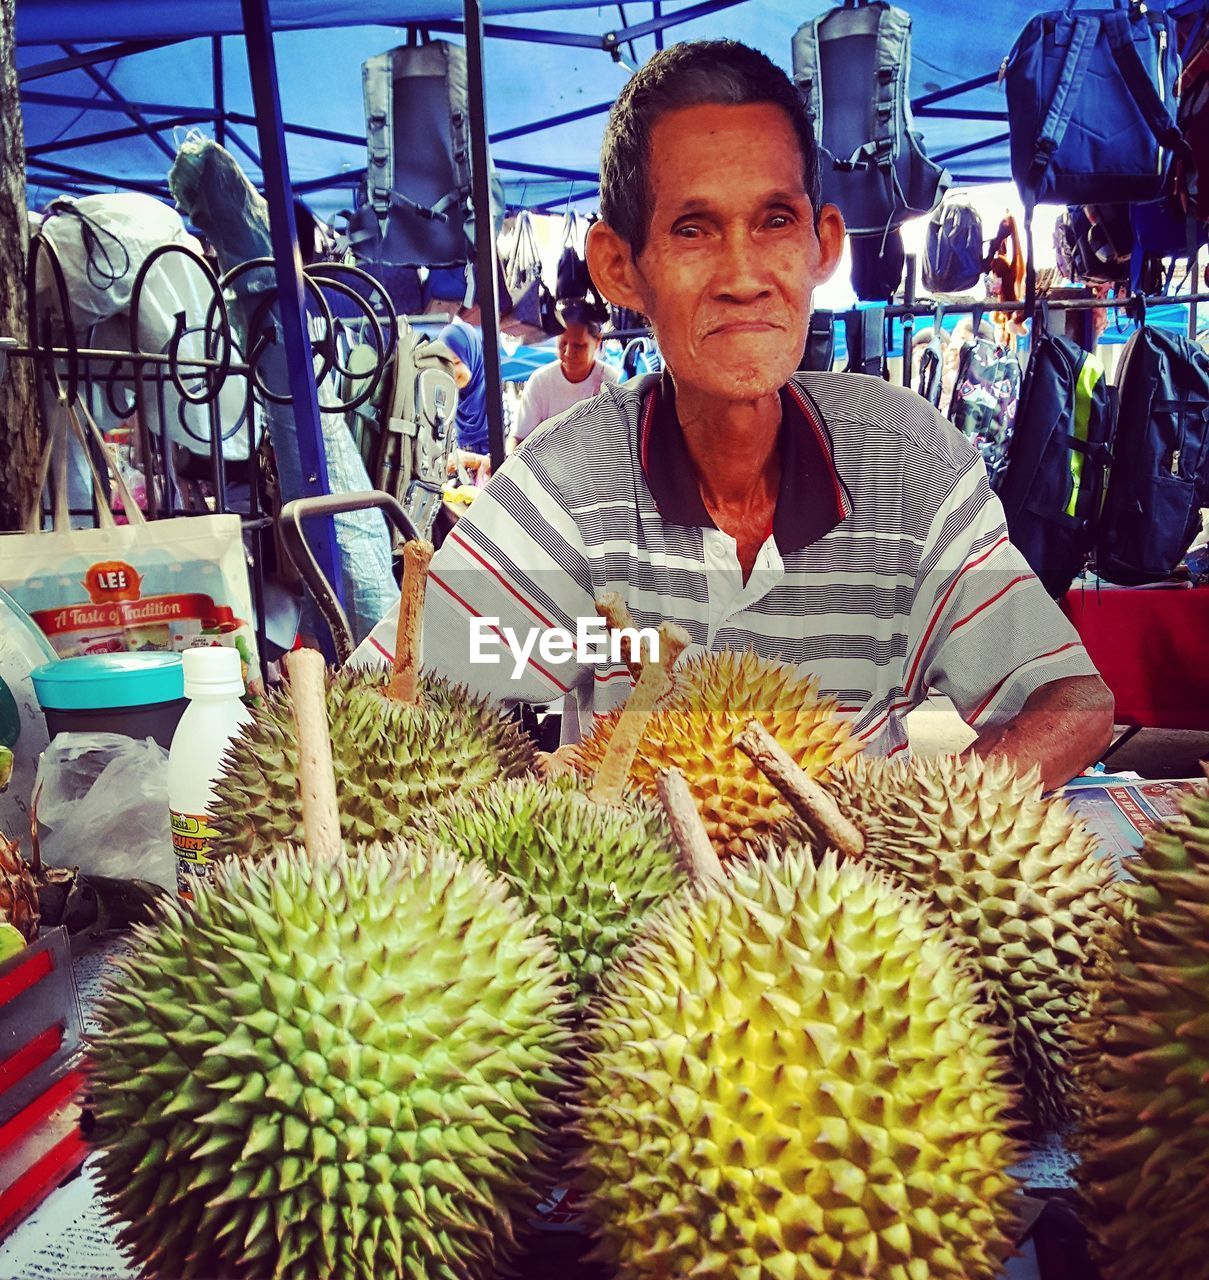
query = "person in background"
{"x": 576, "y": 375}
{"x": 466, "y": 343}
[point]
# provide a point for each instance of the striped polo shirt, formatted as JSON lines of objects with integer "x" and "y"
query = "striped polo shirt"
{"x": 887, "y": 571}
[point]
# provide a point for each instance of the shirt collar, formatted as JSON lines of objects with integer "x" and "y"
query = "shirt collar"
{"x": 811, "y": 501}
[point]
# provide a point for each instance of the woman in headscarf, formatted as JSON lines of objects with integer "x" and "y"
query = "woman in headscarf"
{"x": 466, "y": 343}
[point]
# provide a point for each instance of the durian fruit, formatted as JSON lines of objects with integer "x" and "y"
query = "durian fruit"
{"x": 1014, "y": 876}
{"x": 18, "y": 891}
{"x": 397, "y": 745}
{"x": 1144, "y": 1134}
{"x": 694, "y": 731}
{"x": 332, "y": 1063}
{"x": 588, "y": 871}
{"x": 339, "y": 1071}
{"x": 588, "y": 863}
{"x": 791, "y": 1078}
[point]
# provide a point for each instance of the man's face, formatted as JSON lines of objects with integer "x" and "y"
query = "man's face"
{"x": 576, "y": 351}
{"x": 732, "y": 256}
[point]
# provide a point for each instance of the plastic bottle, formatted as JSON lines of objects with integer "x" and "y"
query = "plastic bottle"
{"x": 214, "y": 686}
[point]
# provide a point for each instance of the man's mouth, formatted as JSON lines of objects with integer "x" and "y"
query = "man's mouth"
{"x": 741, "y": 326}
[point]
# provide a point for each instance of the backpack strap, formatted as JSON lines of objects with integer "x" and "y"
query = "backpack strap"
{"x": 377, "y": 86}
{"x": 806, "y": 74}
{"x": 1146, "y": 96}
{"x": 1053, "y": 130}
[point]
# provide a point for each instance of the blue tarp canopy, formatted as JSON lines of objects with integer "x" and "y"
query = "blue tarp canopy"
{"x": 155, "y": 68}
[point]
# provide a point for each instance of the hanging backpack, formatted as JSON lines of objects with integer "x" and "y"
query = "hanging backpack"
{"x": 418, "y": 209}
{"x": 877, "y": 264}
{"x": 1160, "y": 477}
{"x": 1094, "y": 243}
{"x": 416, "y": 410}
{"x": 819, "y": 352}
{"x": 574, "y": 280}
{"x": 1051, "y": 481}
{"x": 852, "y": 67}
{"x": 523, "y": 272}
{"x": 1091, "y": 103}
{"x": 865, "y": 334}
{"x": 986, "y": 396}
{"x": 953, "y": 255}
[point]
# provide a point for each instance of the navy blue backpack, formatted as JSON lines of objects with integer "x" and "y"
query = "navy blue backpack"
{"x": 1052, "y": 480}
{"x": 1160, "y": 476}
{"x": 954, "y": 255}
{"x": 1091, "y": 100}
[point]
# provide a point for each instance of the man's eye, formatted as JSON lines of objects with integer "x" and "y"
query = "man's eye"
{"x": 688, "y": 231}
{"x": 779, "y": 220}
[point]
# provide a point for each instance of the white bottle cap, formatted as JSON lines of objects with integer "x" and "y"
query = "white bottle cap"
{"x": 216, "y": 671}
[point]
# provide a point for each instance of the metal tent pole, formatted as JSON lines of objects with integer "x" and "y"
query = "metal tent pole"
{"x": 266, "y": 95}
{"x": 484, "y": 230}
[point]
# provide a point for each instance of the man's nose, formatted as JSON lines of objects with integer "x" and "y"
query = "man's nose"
{"x": 741, "y": 273}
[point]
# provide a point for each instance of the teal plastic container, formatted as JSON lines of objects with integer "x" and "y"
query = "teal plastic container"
{"x": 139, "y": 694}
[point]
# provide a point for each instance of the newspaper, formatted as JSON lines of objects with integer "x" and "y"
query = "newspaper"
{"x": 66, "y": 1238}
{"x": 1120, "y": 812}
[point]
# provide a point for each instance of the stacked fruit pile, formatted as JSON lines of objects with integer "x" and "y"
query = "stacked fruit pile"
{"x": 797, "y": 1007}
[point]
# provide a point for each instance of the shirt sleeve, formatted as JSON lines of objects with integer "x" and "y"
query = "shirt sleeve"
{"x": 983, "y": 629}
{"x": 509, "y": 582}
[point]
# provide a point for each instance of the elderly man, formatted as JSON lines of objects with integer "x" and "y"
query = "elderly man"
{"x": 827, "y": 520}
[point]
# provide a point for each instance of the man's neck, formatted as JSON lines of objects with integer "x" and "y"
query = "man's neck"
{"x": 733, "y": 445}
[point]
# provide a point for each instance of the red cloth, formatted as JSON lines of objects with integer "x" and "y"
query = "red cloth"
{"x": 1151, "y": 645}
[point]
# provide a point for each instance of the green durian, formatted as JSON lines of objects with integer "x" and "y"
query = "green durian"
{"x": 1014, "y": 876}
{"x": 791, "y": 1077}
{"x": 340, "y": 1071}
{"x": 1144, "y": 1075}
{"x": 391, "y": 759}
{"x": 588, "y": 871}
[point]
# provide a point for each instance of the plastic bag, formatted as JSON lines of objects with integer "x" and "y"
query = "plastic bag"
{"x": 102, "y": 805}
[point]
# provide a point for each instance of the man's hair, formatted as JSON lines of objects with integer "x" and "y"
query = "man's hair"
{"x": 693, "y": 74}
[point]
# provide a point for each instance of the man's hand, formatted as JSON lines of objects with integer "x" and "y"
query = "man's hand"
{"x": 1063, "y": 727}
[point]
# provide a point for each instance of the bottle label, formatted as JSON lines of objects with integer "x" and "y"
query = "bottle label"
{"x": 191, "y": 836}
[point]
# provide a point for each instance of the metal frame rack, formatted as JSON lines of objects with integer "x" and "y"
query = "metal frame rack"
{"x": 67, "y": 369}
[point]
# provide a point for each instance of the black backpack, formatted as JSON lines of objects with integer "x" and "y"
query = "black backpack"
{"x": 418, "y": 204}
{"x": 1160, "y": 478}
{"x": 1052, "y": 479}
{"x": 852, "y": 67}
{"x": 953, "y": 257}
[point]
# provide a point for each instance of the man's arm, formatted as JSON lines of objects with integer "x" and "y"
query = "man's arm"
{"x": 989, "y": 636}
{"x": 1063, "y": 727}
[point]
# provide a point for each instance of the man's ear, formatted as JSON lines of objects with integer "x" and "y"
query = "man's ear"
{"x": 830, "y": 232}
{"x": 611, "y": 266}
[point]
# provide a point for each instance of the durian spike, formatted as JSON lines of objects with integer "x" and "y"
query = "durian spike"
{"x": 612, "y": 608}
{"x": 807, "y": 799}
{"x": 404, "y": 683}
{"x": 653, "y": 683}
{"x": 697, "y": 854}
{"x": 316, "y": 777}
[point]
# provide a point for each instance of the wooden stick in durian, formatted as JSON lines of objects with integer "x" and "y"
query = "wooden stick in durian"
{"x": 653, "y": 683}
{"x": 612, "y": 608}
{"x": 807, "y": 799}
{"x": 405, "y": 680}
{"x": 316, "y": 777}
{"x": 697, "y": 853}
